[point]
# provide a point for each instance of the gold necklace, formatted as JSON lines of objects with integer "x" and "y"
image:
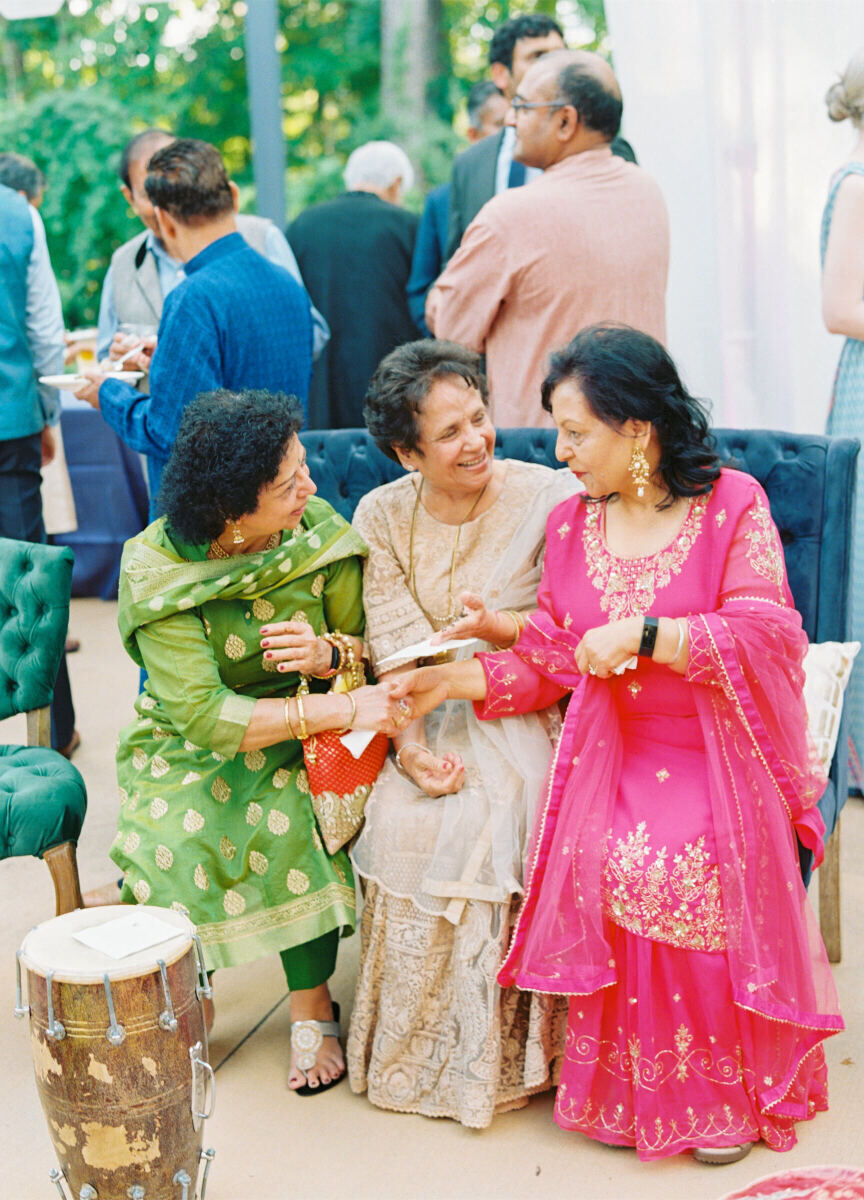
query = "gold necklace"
{"x": 412, "y": 586}
{"x": 217, "y": 551}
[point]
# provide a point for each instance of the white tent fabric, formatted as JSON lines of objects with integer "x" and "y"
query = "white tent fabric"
{"x": 723, "y": 103}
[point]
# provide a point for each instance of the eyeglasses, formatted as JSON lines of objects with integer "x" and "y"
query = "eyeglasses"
{"x": 517, "y": 104}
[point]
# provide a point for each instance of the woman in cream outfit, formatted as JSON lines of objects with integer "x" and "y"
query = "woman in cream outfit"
{"x": 442, "y": 849}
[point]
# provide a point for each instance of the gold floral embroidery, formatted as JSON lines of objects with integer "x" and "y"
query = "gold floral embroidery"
{"x": 563, "y": 530}
{"x": 263, "y": 609}
{"x": 235, "y": 647}
{"x": 662, "y": 775}
{"x": 682, "y": 906}
{"x": 629, "y": 585}
{"x": 720, "y": 518}
{"x": 318, "y": 585}
{"x": 568, "y": 621}
{"x": 764, "y": 552}
{"x": 498, "y": 678}
{"x": 634, "y": 688}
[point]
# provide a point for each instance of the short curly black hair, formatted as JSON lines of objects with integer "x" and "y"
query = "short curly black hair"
{"x": 228, "y": 447}
{"x": 403, "y": 380}
{"x": 625, "y": 374}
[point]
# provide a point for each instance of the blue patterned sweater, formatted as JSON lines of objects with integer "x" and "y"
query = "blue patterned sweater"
{"x": 236, "y": 321}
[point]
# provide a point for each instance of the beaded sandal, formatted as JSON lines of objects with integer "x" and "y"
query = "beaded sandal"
{"x": 307, "y": 1037}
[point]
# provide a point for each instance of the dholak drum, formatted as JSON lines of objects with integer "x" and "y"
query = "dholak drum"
{"x": 120, "y": 1051}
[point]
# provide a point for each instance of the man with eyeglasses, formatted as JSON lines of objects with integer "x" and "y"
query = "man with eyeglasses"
{"x": 588, "y": 241}
{"x": 486, "y": 169}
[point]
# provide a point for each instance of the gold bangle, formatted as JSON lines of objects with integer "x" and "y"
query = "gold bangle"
{"x": 301, "y": 717}
{"x": 288, "y": 722}
{"x": 353, "y": 716}
{"x": 518, "y": 625}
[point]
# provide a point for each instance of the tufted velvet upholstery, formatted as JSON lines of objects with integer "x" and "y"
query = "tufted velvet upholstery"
{"x": 34, "y": 613}
{"x": 42, "y": 796}
{"x": 810, "y": 482}
{"x": 42, "y": 800}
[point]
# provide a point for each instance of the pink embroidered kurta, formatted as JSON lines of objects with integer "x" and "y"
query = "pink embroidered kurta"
{"x": 663, "y": 889}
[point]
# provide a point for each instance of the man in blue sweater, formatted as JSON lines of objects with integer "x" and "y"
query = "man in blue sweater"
{"x": 236, "y": 321}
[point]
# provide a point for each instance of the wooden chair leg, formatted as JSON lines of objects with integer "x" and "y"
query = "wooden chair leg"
{"x": 63, "y": 866}
{"x": 829, "y": 896}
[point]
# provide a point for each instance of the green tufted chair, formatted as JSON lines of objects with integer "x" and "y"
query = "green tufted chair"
{"x": 42, "y": 796}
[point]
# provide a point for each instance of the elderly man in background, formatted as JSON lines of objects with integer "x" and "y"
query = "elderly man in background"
{"x": 31, "y": 344}
{"x": 487, "y": 108}
{"x": 23, "y": 176}
{"x": 235, "y": 321}
{"x": 586, "y": 242}
{"x": 355, "y": 255}
{"x": 142, "y": 271}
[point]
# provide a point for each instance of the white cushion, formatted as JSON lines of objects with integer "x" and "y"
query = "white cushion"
{"x": 827, "y": 667}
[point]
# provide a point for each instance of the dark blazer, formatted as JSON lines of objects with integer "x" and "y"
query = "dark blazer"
{"x": 429, "y": 248}
{"x": 354, "y": 253}
{"x": 473, "y": 183}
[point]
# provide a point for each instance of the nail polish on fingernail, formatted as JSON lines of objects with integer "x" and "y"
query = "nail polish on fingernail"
{"x": 268, "y": 654}
{"x": 264, "y": 642}
{"x": 283, "y": 666}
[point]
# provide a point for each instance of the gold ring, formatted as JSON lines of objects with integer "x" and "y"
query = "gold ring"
{"x": 592, "y": 670}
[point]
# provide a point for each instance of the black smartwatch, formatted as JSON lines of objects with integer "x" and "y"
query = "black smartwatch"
{"x": 649, "y": 637}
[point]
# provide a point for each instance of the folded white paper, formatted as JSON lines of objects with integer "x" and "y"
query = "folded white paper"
{"x": 426, "y": 649}
{"x": 356, "y": 740}
{"x": 128, "y": 934}
{"x": 629, "y": 664}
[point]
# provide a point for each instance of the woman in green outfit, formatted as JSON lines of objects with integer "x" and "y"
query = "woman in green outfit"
{"x": 215, "y": 811}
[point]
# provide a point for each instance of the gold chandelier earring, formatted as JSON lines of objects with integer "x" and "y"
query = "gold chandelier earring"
{"x": 237, "y": 535}
{"x": 640, "y": 471}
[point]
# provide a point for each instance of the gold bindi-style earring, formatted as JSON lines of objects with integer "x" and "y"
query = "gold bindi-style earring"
{"x": 640, "y": 471}
{"x": 238, "y": 539}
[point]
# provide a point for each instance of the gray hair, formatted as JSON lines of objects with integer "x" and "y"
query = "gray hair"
{"x": 378, "y": 164}
{"x": 21, "y": 174}
{"x": 846, "y": 97}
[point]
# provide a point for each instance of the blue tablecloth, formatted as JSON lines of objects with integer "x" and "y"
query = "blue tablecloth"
{"x": 110, "y": 499}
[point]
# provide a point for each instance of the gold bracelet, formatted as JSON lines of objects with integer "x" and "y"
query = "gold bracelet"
{"x": 301, "y": 717}
{"x": 288, "y": 722}
{"x": 518, "y": 625}
{"x": 353, "y": 716}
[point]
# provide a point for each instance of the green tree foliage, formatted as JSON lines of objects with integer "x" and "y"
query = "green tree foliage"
{"x": 75, "y": 87}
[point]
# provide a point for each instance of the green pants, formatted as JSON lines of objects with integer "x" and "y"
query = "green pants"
{"x": 311, "y": 964}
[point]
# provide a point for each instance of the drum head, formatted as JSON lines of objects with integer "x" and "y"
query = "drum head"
{"x": 52, "y": 945}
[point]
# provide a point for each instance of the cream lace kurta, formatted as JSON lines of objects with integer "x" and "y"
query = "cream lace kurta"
{"x": 432, "y": 1032}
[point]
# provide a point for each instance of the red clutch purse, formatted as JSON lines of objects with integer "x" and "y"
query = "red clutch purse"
{"x": 339, "y": 783}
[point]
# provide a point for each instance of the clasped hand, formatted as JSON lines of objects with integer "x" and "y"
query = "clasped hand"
{"x": 294, "y": 646}
{"x": 606, "y": 647}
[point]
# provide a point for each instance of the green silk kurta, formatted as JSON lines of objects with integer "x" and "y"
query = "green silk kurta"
{"x": 229, "y": 836}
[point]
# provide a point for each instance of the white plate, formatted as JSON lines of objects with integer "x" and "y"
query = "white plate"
{"x": 71, "y": 383}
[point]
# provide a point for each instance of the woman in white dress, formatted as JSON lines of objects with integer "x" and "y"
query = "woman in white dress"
{"x": 442, "y": 849}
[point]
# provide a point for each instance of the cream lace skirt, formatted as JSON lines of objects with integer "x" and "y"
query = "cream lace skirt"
{"x": 432, "y": 1032}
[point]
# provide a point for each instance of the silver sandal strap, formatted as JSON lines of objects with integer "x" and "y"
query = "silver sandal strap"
{"x": 307, "y": 1038}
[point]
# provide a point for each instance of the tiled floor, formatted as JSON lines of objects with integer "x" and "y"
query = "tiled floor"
{"x": 271, "y": 1145}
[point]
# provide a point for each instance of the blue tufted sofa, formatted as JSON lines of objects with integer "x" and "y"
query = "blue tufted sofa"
{"x": 810, "y": 483}
{"x": 42, "y": 796}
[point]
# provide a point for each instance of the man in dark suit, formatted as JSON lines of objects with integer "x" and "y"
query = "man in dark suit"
{"x": 485, "y": 169}
{"x": 487, "y": 108}
{"x": 488, "y": 168}
{"x": 355, "y": 256}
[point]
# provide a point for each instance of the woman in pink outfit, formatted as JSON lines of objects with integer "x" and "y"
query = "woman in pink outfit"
{"x": 663, "y": 893}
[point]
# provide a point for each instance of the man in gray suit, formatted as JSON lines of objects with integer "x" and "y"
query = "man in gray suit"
{"x": 142, "y": 272}
{"x": 488, "y": 168}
